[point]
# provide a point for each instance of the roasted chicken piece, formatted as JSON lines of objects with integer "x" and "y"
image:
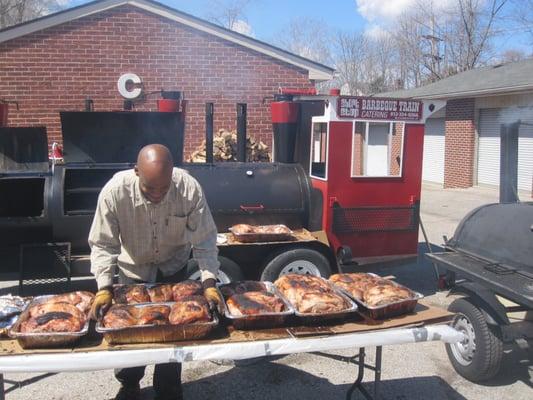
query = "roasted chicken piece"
{"x": 252, "y": 303}
{"x": 240, "y": 287}
{"x": 152, "y": 315}
{"x": 356, "y": 284}
{"x": 188, "y": 310}
{"x": 80, "y": 299}
{"x": 54, "y": 317}
{"x": 383, "y": 293}
{"x": 130, "y": 294}
{"x": 186, "y": 288}
{"x": 243, "y": 229}
{"x": 160, "y": 293}
{"x": 310, "y": 294}
{"x": 120, "y": 316}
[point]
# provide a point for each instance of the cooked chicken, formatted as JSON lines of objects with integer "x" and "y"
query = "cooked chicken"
{"x": 383, "y": 293}
{"x": 355, "y": 284}
{"x": 239, "y": 287}
{"x": 56, "y": 321}
{"x": 188, "y": 310}
{"x": 120, "y": 316}
{"x": 310, "y": 294}
{"x": 131, "y": 294}
{"x": 186, "y": 288}
{"x": 152, "y": 315}
{"x": 251, "y": 303}
{"x": 47, "y": 307}
{"x": 80, "y": 299}
{"x": 243, "y": 229}
{"x": 160, "y": 293}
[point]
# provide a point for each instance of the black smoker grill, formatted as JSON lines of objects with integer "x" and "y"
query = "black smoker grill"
{"x": 25, "y": 182}
{"x": 492, "y": 253}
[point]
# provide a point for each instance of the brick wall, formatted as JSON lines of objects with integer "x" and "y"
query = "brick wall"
{"x": 358, "y": 148}
{"x": 57, "y": 68}
{"x": 459, "y": 143}
{"x": 396, "y": 149}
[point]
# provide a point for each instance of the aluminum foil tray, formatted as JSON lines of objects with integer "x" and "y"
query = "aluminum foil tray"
{"x": 262, "y": 237}
{"x": 387, "y": 310}
{"x": 261, "y": 321}
{"x": 156, "y": 333}
{"x": 44, "y": 340}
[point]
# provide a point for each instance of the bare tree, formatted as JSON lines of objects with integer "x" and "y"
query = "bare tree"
{"x": 16, "y": 11}
{"x": 230, "y": 14}
{"x": 522, "y": 16}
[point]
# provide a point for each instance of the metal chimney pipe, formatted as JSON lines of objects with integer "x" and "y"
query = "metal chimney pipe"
{"x": 509, "y": 162}
{"x": 241, "y": 132}
{"x": 209, "y": 110}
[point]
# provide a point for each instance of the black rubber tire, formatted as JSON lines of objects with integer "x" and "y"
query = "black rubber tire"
{"x": 229, "y": 267}
{"x": 488, "y": 354}
{"x": 282, "y": 258}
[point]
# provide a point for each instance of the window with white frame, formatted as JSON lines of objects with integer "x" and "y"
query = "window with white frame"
{"x": 377, "y": 149}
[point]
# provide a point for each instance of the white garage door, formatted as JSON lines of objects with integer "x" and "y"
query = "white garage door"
{"x": 489, "y": 145}
{"x": 433, "y": 165}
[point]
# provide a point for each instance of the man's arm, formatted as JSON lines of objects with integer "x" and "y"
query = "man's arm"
{"x": 202, "y": 234}
{"x": 104, "y": 241}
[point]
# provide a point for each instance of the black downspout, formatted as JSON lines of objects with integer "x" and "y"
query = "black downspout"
{"x": 241, "y": 132}
{"x": 509, "y": 162}
{"x": 209, "y": 110}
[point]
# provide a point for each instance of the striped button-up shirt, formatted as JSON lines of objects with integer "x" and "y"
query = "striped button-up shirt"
{"x": 141, "y": 237}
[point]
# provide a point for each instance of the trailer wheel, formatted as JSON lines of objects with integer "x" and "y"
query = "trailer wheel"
{"x": 296, "y": 261}
{"x": 229, "y": 271}
{"x": 478, "y": 357}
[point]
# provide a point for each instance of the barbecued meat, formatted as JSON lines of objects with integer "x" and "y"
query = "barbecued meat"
{"x": 243, "y": 229}
{"x": 130, "y": 294}
{"x": 372, "y": 290}
{"x": 53, "y": 317}
{"x": 152, "y": 315}
{"x": 160, "y": 293}
{"x": 80, "y": 299}
{"x": 188, "y": 310}
{"x": 383, "y": 293}
{"x": 310, "y": 294}
{"x": 186, "y": 288}
{"x": 242, "y": 287}
{"x": 120, "y": 316}
{"x": 52, "y": 322}
{"x": 251, "y": 303}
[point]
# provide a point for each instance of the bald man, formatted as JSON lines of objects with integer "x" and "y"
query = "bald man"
{"x": 147, "y": 221}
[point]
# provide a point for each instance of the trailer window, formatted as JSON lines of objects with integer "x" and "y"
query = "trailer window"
{"x": 377, "y": 149}
{"x": 319, "y": 150}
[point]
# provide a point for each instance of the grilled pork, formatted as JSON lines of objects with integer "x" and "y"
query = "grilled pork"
{"x": 53, "y": 317}
{"x": 186, "y": 288}
{"x": 160, "y": 293}
{"x": 382, "y": 294}
{"x": 120, "y": 316}
{"x": 253, "y": 303}
{"x": 80, "y": 299}
{"x": 130, "y": 294}
{"x": 188, "y": 310}
{"x": 152, "y": 315}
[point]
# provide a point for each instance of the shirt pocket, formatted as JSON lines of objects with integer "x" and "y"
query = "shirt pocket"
{"x": 175, "y": 233}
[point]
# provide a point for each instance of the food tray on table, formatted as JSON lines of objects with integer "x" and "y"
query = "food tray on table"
{"x": 260, "y": 233}
{"x": 258, "y": 321}
{"x": 157, "y": 333}
{"x": 28, "y": 340}
{"x": 394, "y": 309}
{"x": 139, "y": 293}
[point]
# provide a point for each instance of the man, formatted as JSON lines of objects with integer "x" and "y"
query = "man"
{"x": 146, "y": 222}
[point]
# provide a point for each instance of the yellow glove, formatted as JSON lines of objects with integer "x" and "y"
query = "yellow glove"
{"x": 102, "y": 301}
{"x": 213, "y": 297}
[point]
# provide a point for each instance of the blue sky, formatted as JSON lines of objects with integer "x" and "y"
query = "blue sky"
{"x": 267, "y": 18}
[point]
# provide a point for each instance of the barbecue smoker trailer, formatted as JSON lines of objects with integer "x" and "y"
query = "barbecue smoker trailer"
{"x": 348, "y": 169}
{"x": 489, "y": 264}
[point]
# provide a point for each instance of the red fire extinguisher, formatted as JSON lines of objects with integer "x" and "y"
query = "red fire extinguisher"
{"x": 4, "y": 108}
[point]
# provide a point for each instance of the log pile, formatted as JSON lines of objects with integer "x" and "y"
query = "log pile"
{"x": 225, "y": 149}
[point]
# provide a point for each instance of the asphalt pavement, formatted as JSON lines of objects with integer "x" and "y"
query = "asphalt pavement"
{"x": 413, "y": 371}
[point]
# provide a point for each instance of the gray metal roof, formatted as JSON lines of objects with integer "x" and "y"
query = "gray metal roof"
{"x": 485, "y": 81}
{"x": 316, "y": 70}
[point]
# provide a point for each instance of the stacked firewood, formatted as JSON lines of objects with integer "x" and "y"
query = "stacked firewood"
{"x": 225, "y": 148}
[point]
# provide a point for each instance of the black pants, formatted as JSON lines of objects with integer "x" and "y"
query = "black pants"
{"x": 167, "y": 377}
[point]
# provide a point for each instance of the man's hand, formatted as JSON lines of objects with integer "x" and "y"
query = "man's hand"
{"x": 101, "y": 303}
{"x": 213, "y": 296}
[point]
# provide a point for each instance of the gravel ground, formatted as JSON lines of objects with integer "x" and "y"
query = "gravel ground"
{"x": 414, "y": 371}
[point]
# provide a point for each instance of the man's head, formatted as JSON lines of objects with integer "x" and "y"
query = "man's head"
{"x": 154, "y": 169}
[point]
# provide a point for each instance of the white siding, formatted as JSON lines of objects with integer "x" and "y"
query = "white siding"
{"x": 433, "y": 164}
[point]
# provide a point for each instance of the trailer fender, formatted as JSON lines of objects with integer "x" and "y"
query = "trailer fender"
{"x": 485, "y": 300}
